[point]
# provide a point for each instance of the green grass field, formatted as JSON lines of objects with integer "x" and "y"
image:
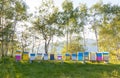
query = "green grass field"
{"x": 48, "y": 69}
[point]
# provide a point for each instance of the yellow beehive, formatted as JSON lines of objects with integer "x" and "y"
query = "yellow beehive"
{"x": 25, "y": 56}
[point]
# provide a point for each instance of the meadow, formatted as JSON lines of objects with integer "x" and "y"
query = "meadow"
{"x": 54, "y": 69}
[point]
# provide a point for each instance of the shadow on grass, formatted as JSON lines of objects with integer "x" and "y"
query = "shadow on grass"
{"x": 54, "y": 69}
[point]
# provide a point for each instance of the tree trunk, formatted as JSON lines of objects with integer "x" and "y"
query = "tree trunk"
{"x": 96, "y": 36}
{"x": 6, "y": 49}
{"x": 2, "y": 48}
{"x": 2, "y": 40}
{"x": 33, "y": 44}
{"x": 84, "y": 39}
{"x": 95, "y": 31}
{"x": 47, "y": 45}
{"x": 13, "y": 38}
{"x": 70, "y": 39}
{"x": 22, "y": 44}
{"x": 38, "y": 47}
{"x": 117, "y": 49}
{"x": 46, "y": 51}
{"x": 52, "y": 46}
{"x": 7, "y": 44}
{"x": 12, "y": 47}
{"x": 1, "y": 24}
{"x": 67, "y": 39}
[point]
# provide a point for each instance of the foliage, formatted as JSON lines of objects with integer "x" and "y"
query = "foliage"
{"x": 45, "y": 22}
{"x": 11, "y": 11}
{"x": 49, "y": 22}
{"x": 106, "y": 26}
{"x": 81, "y": 13}
{"x": 109, "y": 28}
{"x": 73, "y": 47}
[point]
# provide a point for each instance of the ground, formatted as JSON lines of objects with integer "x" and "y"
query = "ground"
{"x": 54, "y": 69}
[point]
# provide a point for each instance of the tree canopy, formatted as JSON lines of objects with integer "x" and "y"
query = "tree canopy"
{"x": 50, "y": 23}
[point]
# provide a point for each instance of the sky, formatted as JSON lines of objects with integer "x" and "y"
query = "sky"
{"x": 35, "y": 3}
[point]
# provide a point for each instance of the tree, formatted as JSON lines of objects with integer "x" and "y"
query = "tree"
{"x": 108, "y": 22}
{"x": 111, "y": 29}
{"x": 68, "y": 10}
{"x": 20, "y": 14}
{"x": 11, "y": 12}
{"x": 73, "y": 47}
{"x": 81, "y": 13}
{"x": 96, "y": 20}
{"x": 45, "y": 22}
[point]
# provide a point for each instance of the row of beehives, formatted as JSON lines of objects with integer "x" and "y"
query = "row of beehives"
{"x": 80, "y": 56}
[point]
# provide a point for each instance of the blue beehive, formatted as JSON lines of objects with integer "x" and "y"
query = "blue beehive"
{"x": 99, "y": 56}
{"x": 32, "y": 56}
{"x": 67, "y": 56}
{"x": 39, "y": 56}
{"x": 74, "y": 56}
{"x": 59, "y": 56}
{"x": 92, "y": 56}
{"x": 80, "y": 56}
{"x": 86, "y": 56}
{"x": 51, "y": 56}
{"x": 45, "y": 56}
{"x": 106, "y": 56}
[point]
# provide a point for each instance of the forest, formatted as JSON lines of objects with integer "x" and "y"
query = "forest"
{"x": 22, "y": 30}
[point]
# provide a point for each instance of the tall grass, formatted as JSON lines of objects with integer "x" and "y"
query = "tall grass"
{"x": 54, "y": 69}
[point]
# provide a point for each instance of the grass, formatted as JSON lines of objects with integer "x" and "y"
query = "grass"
{"x": 50, "y": 69}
